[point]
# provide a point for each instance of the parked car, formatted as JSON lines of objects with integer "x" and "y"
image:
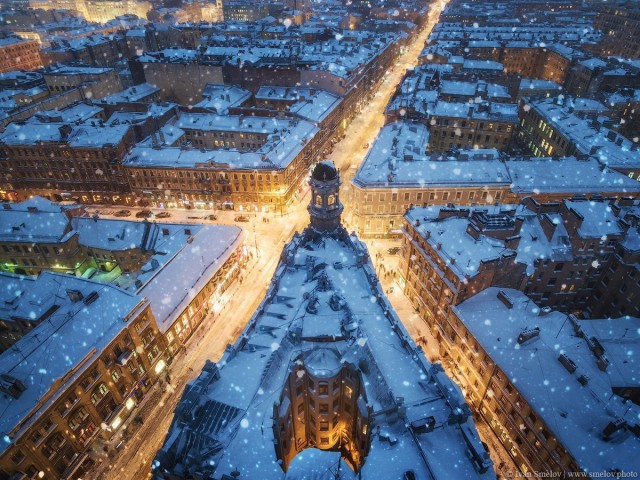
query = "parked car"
{"x": 144, "y": 214}
{"x": 122, "y": 213}
{"x": 365, "y": 146}
{"x": 211, "y": 217}
{"x": 241, "y": 218}
{"x": 163, "y": 215}
{"x": 393, "y": 250}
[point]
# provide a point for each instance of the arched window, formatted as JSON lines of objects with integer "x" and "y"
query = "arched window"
{"x": 318, "y": 200}
{"x": 331, "y": 200}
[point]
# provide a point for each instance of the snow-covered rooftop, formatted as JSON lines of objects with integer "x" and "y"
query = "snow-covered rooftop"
{"x": 52, "y": 356}
{"x": 183, "y": 273}
{"x": 590, "y": 138}
{"x": 576, "y": 414}
{"x": 137, "y": 93}
{"x": 32, "y": 221}
{"x": 398, "y": 158}
{"x": 88, "y": 135}
{"x": 545, "y": 175}
{"x": 311, "y": 104}
{"x": 464, "y": 254}
{"x": 287, "y": 137}
{"x": 219, "y": 98}
{"x": 251, "y": 375}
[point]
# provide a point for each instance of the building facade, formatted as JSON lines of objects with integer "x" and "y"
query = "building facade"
{"x": 88, "y": 391}
{"x": 19, "y": 54}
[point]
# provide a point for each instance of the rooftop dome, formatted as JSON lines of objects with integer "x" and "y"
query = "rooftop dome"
{"x": 323, "y": 362}
{"x": 325, "y": 171}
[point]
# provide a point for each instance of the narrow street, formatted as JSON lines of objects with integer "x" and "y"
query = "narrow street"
{"x": 130, "y": 453}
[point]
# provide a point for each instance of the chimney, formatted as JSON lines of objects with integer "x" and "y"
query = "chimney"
{"x": 528, "y": 334}
{"x": 11, "y": 385}
{"x": 567, "y": 363}
{"x": 512, "y": 242}
{"x": 473, "y": 231}
{"x": 548, "y": 227}
{"x": 504, "y": 298}
{"x": 518, "y": 224}
{"x": 75, "y": 295}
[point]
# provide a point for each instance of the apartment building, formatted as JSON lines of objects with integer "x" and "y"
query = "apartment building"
{"x": 17, "y": 53}
{"x": 620, "y": 23}
{"x": 235, "y": 162}
{"x": 143, "y": 258}
{"x": 397, "y": 174}
{"x": 94, "y": 82}
{"x": 544, "y": 381}
{"x": 617, "y": 292}
{"x": 555, "y": 253}
{"x": 65, "y": 161}
{"x": 463, "y": 125}
{"x": 551, "y": 127}
{"x": 76, "y": 377}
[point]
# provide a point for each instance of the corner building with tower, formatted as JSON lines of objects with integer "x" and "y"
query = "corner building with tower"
{"x": 324, "y": 381}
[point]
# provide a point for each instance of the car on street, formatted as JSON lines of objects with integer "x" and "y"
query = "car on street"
{"x": 241, "y": 218}
{"x": 211, "y": 217}
{"x": 122, "y": 213}
{"x": 393, "y": 250}
{"x": 163, "y": 215}
{"x": 365, "y": 146}
{"x": 144, "y": 214}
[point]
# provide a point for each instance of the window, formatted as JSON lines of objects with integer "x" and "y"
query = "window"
{"x": 18, "y": 457}
{"x": 76, "y": 419}
{"x": 99, "y": 393}
{"x": 318, "y": 200}
{"x": 331, "y": 200}
{"x": 348, "y": 391}
{"x": 324, "y": 408}
{"x": 323, "y": 388}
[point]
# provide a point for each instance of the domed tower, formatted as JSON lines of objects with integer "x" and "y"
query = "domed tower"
{"x": 325, "y": 207}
